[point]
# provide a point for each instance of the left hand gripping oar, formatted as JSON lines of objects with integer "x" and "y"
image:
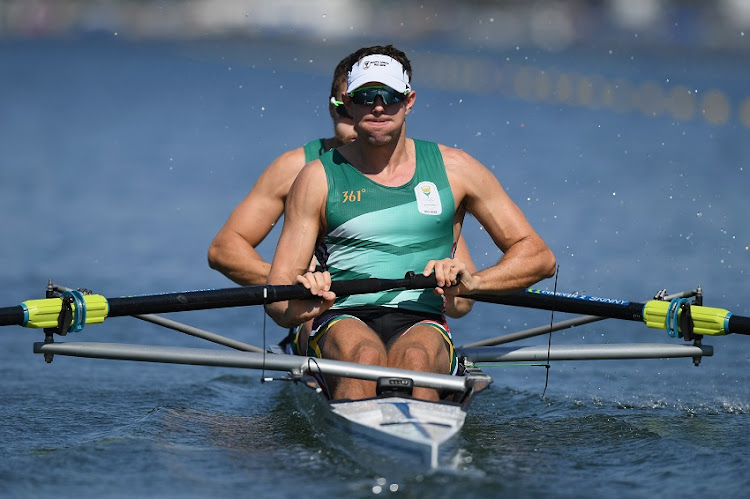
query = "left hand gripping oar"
{"x": 74, "y": 309}
{"x": 660, "y": 314}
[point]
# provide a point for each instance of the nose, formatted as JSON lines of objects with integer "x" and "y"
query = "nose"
{"x": 379, "y": 102}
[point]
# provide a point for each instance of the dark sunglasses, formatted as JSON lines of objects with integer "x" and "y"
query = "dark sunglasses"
{"x": 367, "y": 95}
{"x": 340, "y": 108}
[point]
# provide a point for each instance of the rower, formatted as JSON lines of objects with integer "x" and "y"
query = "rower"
{"x": 233, "y": 251}
{"x": 383, "y": 205}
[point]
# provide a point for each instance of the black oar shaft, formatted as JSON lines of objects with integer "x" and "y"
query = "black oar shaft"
{"x": 251, "y": 295}
{"x": 199, "y": 300}
{"x": 738, "y": 325}
{"x": 257, "y": 295}
{"x": 609, "y": 308}
{"x": 229, "y": 297}
{"x": 11, "y": 316}
{"x": 613, "y": 309}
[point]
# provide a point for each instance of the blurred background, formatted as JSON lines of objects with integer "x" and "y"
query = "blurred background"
{"x": 552, "y": 25}
{"x": 620, "y": 27}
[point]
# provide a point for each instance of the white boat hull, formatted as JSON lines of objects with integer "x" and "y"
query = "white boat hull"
{"x": 392, "y": 432}
{"x": 409, "y": 430}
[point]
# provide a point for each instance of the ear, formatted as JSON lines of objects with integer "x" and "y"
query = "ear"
{"x": 331, "y": 110}
{"x": 347, "y": 103}
{"x": 410, "y": 100}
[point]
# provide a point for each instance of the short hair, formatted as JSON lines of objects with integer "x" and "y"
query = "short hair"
{"x": 388, "y": 50}
{"x": 339, "y": 75}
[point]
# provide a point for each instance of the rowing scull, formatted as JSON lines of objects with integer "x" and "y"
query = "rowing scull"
{"x": 393, "y": 422}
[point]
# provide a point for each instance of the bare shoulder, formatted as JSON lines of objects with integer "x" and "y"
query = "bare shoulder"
{"x": 455, "y": 158}
{"x": 310, "y": 182}
{"x": 463, "y": 169}
{"x": 274, "y": 182}
{"x": 286, "y": 167}
{"x": 307, "y": 199}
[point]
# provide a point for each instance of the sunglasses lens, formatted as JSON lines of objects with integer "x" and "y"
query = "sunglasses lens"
{"x": 367, "y": 95}
{"x": 341, "y": 111}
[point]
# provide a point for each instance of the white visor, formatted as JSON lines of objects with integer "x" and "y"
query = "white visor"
{"x": 378, "y": 68}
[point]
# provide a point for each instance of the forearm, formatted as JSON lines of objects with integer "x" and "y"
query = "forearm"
{"x": 526, "y": 263}
{"x": 295, "y": 312}
{"x": 456, "y": 307}
{"x": 238, "y": 261}
{"x": 279, "y": 313}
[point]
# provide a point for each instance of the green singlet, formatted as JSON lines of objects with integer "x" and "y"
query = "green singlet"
{"x": 379, "y": 231}
{"x": 314, "y": 149}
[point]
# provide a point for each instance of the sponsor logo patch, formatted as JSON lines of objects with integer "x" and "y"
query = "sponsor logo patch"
{"x": 374, "y": 63}
{"x": 428, "y": 198}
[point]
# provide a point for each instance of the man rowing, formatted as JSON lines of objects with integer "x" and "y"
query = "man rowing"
{"x": 383, "y": 205}
{"x": 232, "y": 252}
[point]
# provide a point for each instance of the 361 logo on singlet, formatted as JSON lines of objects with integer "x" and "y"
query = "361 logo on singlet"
{"x": 428, "y": 198}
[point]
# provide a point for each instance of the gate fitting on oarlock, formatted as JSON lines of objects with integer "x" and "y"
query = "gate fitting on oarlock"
{"x": 72, "y": 315}
{"x": 679, "y": 320}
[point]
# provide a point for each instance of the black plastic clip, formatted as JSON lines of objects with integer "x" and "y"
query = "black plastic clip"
{"x": 686, "y": 321}
{"x": 66, "y": 315}
{"x": 394, "y": 387}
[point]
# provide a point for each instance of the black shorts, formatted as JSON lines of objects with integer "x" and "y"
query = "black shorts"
{"x": 388, "y": 323}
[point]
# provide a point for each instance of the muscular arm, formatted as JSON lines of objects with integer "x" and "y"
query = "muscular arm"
{"x": 455, "y": 306}
{"x": 232, "y": 252}
{"x": 526, "y": 257}
{"x": 303, "y": 222}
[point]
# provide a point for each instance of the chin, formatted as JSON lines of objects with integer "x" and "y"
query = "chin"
{"x": 379, "y": 139}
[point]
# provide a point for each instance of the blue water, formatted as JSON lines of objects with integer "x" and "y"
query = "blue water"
{"x": 121, "y": 161}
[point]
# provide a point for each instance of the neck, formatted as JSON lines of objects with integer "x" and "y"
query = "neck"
{"x": 389, "y": 164}
{"x": 335, "y": 142}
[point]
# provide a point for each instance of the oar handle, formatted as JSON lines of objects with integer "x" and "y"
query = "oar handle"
{"x": 253, "y": 295}
{"x": 362, "y": 286}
